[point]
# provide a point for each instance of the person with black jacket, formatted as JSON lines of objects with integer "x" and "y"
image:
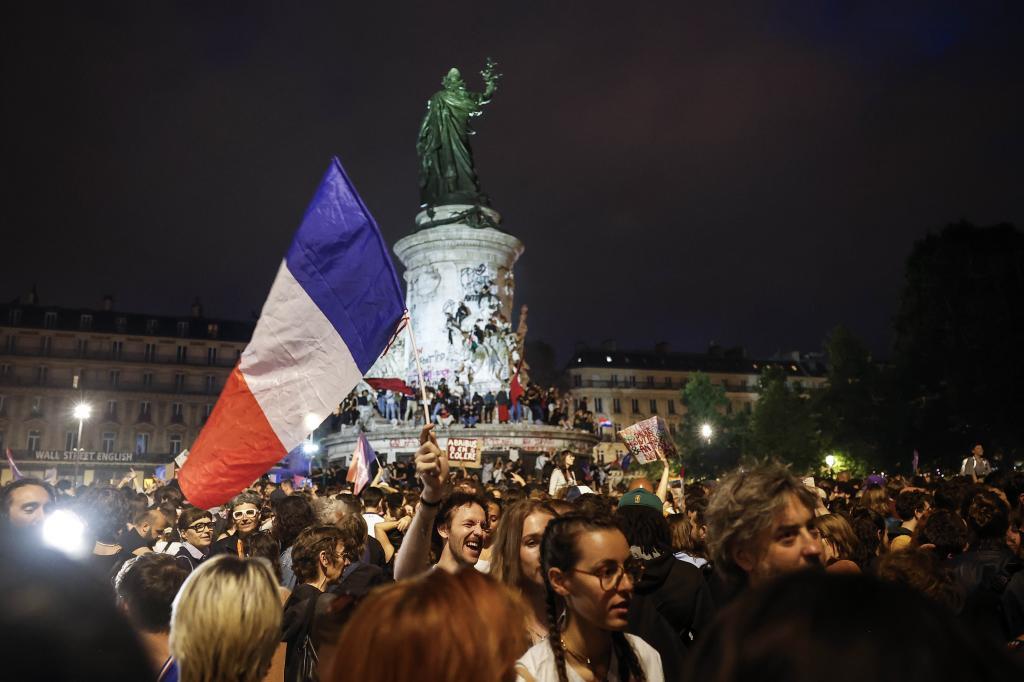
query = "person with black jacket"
{"x": 318, "y": 558}
{"x": 671, "y": 602}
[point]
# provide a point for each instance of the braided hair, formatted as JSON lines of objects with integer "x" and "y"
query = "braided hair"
{"x": 559, "y": 549}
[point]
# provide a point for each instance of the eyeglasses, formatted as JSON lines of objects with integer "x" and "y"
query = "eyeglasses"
{"x": 242, "y": 513}
{"x": 611, "y": 576}
{"x": 201, "y": 526}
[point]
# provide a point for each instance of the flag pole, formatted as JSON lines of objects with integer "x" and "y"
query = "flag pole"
{"x": 419, "y": 369}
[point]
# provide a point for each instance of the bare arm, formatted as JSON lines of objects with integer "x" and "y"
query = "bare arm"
{"x": 432, "y": 468}
{"x": 662, "y": 492}
{"x": 381, "y": 533}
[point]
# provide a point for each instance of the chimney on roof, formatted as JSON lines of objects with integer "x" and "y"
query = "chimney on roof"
{"x": 108, "y": 302}
{"x": 32, "y": 297}
{"x": 197, "y": 308}
{"x": 661, "y": 348}
{"x": 609, "y": 346}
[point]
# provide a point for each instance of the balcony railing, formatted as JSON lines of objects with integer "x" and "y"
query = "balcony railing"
{"x": 660, "y": 386}
{"x": 199, "y": 360}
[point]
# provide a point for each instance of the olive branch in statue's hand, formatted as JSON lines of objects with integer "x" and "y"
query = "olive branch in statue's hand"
{"x": 489, "y": 72}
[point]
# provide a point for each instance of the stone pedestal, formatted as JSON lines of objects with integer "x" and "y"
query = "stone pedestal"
{"x": 459, "y": 289}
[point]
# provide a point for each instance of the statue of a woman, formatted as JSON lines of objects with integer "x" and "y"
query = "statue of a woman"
{"x": 447, "y": 173}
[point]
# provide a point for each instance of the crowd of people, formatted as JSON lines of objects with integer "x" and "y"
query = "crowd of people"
{"x": 450, "y": 406}
{"x": 439, "y": 575}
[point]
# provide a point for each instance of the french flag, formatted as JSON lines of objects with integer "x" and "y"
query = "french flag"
{"x": 332, "y": 309}
{"x": 360, "y": 471}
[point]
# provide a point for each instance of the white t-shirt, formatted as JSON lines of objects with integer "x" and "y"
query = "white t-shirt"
{"x": 539, "y": 661}
{"x": 372, "y": 519}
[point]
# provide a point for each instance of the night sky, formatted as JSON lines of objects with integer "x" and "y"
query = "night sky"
{"x": 752, "y": 175}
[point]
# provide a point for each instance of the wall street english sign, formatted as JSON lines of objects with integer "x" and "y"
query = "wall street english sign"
{"x": 83, "y": 456}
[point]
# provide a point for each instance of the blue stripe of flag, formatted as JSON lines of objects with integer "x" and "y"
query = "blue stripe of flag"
{"x": 340, "y": 259}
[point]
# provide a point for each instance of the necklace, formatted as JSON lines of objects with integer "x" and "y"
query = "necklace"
{"x": 579, "y": 657}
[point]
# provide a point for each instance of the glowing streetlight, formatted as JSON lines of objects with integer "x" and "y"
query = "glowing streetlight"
{"x": 81, "y": 412}
{"x": 830, "y": 461}
{"x": 706, "y": 432}
{"x": 310, "y": 448}
{"x": 63, "y": 530}
{"x": 311, "y": 421}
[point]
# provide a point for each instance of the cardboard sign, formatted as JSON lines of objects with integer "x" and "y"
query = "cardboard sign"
{"x": 464, "y": 450}
{"x": 649, "y": 440}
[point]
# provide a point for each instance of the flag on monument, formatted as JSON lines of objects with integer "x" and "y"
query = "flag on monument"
{"x": 14, "y": 467}
{"x": 334, "y": 305}
{"x": 360, "y": 471}
{"x": 515, "y": 389}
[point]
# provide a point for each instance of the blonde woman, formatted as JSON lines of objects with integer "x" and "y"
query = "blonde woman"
{"x": 210, "y": 642}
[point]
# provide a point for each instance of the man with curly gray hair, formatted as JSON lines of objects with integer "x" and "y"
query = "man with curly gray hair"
{"x": 759, "y": 521}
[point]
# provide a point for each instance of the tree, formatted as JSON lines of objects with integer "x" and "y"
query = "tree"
{"x": 705, "y": 406}
{"x": 958, "y": 333}
{"x": 782, "y": 426}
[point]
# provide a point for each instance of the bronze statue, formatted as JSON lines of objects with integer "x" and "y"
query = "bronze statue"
{"x": 447, "y": 172}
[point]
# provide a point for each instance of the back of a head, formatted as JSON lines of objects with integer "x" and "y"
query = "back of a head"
{"x": 744, "y": 505}
{"x": 293, "y": 514}
{"x": 104, "y": 511}
{"x": 836, "y": 529}
{"x": 945, "y": 530}
{"x": 372, "y": 497}
{"x": 59, "y": 623}
{"x": 816, "y": 626}
{"x": 988, "y": 519}
{"x": 147, "y": 586}
{"x": 226, "y": 621}
{"x": 448, "y": 627}
{"x": 920, "y": 570}
{"x": 646, "y": 530}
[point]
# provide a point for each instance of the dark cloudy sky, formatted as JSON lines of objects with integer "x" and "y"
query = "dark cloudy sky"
{"x": 753, "y": 173}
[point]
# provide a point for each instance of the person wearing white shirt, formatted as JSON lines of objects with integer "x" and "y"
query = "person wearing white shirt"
{"x": 562, "y": 476}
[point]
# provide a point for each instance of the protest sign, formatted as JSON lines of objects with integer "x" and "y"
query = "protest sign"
{"x": 464, "y": 451}
{"x": 649, "y": 440}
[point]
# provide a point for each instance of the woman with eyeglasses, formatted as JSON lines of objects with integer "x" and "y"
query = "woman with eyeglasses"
{"x": 589, "y": 575}
{"x": 244, "y": 515}
{"x": 195, "y": 526}
{"x": 318, "y": 558}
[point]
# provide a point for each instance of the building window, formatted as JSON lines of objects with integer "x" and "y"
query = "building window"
{"x": 668, "y": 382}
{"x": 616, "y": 406}
{"x": 147, "y": 379}
{"x": 175, "y": 442}
{"x": 10, "y": 343}
{"x": 37, "y": 406}
{"x": 177, "y": 413}
{"x": 150, "y": 353}
{"x": 42, "y": 374}
{"x": 635, "y": 405}
{"x": 82, "y": 347}
{"x": 671, "y": 406}
{"x": 109, "y": 441}
{"x": 182, "y": 355}
{"x": 121, "y": 323}
{"x": 632, "y": 380}
{"x": 211, "y": 383}
{"x": 111, "y": 409}
{"x": 45, "y": 345}
{"x": 85, "y": 322}
{"x": 5, "y": 370}
{"x": 141, "y": 443}
{"x": 115, "y": 378}
{"x": 650, "y": 381}
{"x": 211, "y": 356}
{"x": 144, "y": 410}
{"x": 15, "y": 316}
{"x": 183, "y": 329}
{"x": 615, "y": 380}
{"x": 116, "y": 348}
{"x": 207, "y": 411}
{"x": 238, "y": 354}
{"x": 2, "y": 441}
{"x": 577, "y": 381}
{"x": 3, "y": 405}
{"x": 212, "y": 330}
{"x": 654, "y": 407}
{"x": 71, "y": 440}
{"x": 33, "y": 440}
{"x": 151, "y": 326}
{"x": 599, "y": 404}
{"x": 179, "y": 382}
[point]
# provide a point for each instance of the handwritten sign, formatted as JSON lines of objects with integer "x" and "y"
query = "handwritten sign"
{"x": 649, "y": 440}
{"x": 466, "y": 450}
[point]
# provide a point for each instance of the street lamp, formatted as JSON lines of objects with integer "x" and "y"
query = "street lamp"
{"x": 706, "y": 431}
{"x": 81, "y": 412}
{"x": 830, "y": 461}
